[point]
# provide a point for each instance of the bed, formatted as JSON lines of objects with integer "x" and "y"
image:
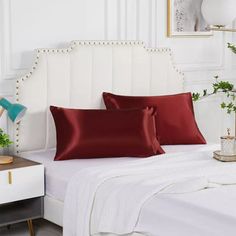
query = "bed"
{"x": 76, "y": 77}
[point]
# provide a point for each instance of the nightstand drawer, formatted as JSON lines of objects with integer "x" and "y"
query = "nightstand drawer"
{"x": 21, "y": 183}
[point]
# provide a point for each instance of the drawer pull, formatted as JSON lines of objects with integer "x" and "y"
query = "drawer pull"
{"x": 9, "y": 177}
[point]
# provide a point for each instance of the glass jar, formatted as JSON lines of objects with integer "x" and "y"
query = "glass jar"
{"x": 228, "y": 145}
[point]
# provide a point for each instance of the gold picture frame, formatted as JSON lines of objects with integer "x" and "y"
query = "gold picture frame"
{"x": 171, "y": 24}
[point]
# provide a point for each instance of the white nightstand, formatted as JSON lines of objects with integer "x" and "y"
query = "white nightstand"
{"x": 21, "y": 192}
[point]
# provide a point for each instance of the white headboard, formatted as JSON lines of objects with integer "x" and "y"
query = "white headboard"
{"x": 76, "y": 77}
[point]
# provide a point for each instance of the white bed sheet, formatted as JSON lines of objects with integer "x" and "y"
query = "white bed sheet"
{"x": 204, "y": 213}
{"x": 58, "y": 173}
{"x": 210, "y": 212}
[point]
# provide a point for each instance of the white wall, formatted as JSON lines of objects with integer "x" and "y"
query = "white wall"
{"x": 29, "y": 24}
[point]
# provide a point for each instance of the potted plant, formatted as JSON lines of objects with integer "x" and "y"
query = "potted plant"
{"x": 4, "y": 143}
{"x": 4, "y": 139}
{"x": 224, "y": 87}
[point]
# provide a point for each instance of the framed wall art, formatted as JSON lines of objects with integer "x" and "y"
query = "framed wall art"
{"x": 185, "y": 19}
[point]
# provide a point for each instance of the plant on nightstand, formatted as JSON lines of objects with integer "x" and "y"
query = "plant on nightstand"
{"x": 228, "y": 142}
{"x": 224, "y": 87}
{"x": 4, "y": 143}
{"x": 4, "y": 139}
{"x": 221, "y": 87}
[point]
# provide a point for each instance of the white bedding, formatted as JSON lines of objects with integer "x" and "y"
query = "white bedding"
{"x": 204, "y": 213}
{"x": 59, "y": 173}
{"x": 210, "y": 212}
{"x": 110, "y": 199}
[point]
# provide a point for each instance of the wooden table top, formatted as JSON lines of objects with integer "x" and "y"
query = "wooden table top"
{"x": 18, "y": 162}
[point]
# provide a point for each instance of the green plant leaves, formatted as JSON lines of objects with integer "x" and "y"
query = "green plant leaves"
{"x": 220, "y": 87}
{"x": 232, "y": 47}
{"x": 196, "y": 96}
{"x": 4, "y": 139}
{"x": 223, "y": 86}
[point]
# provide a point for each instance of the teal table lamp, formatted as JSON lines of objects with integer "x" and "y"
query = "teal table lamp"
{"x": 15, "y": 112}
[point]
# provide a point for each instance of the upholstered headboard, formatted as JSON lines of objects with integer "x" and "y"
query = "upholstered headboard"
{"x": 76, "y": 77}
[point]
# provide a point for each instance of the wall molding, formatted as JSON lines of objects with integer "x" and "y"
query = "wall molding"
{"x": 122, "y": 21}
{"x": 7, "y": 72}
{"x": 7, "y": 87}
{"x": 188, "y": 67}
{"x": 128, "y": 25}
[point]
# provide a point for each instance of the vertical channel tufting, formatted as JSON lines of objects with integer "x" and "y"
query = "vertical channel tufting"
{"x": 132, "y": 71}
{"x": 112, "y": 69}
{"x": 151, "y": 76}
{"x": 47, "y": 110}
{"x": 141, "y": 70}
{"x": 102, "y": 73}
{"x": 58, "y": 88}
{"x": 76, "y": 77}
{"x": 122, "y": 58}
{"x": 92, "y": 75}
{"x": 159, "y": 71}
{"x": 81, "y": 76}
{"x": 71, "y": 90}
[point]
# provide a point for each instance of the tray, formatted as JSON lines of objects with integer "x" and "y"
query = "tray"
{"x": 6, "y": 160}
{"x": 225, "y": 158}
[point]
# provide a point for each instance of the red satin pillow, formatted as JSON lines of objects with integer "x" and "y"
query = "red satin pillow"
{"x": 103, "y": 133}
{"x": 175, "y": 122}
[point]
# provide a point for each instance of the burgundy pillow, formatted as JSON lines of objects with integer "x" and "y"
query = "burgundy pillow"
{"x": 104, "y": 133}
{"x": 175, "y": 122}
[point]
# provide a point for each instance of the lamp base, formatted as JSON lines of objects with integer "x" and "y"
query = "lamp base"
{"x": 5, "y": 160}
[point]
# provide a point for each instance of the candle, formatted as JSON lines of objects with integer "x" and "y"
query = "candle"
{"x": 228, "y": 144}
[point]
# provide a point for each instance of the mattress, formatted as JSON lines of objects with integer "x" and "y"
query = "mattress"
{"x": 58, "y": 173}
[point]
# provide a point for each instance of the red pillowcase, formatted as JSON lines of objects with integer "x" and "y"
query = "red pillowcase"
{"x": 104, "y": 133}
{"x": 175, "y": 122}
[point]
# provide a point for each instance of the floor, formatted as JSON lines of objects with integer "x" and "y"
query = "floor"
{"x": 41, "y": 227}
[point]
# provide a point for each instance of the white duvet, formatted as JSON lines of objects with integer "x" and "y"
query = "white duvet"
{"x": 109, "y": 199}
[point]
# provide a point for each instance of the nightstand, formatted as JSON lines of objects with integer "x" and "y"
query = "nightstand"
{"x": 21, "y": 192}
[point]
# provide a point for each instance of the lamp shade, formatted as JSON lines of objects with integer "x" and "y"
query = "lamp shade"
{"x": 219, "y": 12}
{"x": 15, "y": 111}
